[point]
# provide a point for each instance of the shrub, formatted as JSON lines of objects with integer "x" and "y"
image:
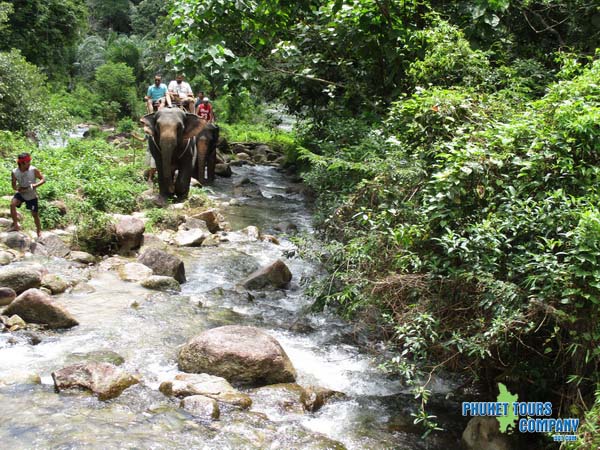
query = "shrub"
{"x": 115, "y": 85}
{"x": 24, "y": 95}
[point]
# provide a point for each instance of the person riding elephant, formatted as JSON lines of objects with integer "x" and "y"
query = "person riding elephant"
{"x": 206, "y": 146}
{"x": 171, "y": 142}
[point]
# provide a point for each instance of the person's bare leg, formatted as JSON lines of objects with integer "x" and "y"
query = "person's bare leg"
{"x": 149, "y": 107}
{"x": 38, "y": 225}
{"x": 13, "y": 215}
{"x": 168, "y": 98}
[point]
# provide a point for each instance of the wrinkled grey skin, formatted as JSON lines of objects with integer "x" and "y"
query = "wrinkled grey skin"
{"x": 206, "y": 144}
{"x": 171, "y": 129}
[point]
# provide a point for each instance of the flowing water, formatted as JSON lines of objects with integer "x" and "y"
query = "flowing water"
{"x": 145, "y": 328}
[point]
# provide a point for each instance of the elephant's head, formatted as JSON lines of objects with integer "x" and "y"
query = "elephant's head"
{"x": 170, "y": 128}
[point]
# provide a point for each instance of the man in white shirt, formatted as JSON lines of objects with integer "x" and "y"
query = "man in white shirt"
{"x": 181, "y": 93}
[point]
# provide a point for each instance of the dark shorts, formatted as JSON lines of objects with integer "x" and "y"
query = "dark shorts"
{"x": 31, "y": 205}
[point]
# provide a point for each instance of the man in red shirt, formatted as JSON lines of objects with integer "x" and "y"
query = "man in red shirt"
{"x": 205, "y": 111}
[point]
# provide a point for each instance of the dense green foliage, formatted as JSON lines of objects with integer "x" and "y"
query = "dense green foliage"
{"x": 45, "y": 31}
{"x": 24, "y": 95}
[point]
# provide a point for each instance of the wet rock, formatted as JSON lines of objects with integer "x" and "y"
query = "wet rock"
{"x": 277, "y": 275}
{"x": 54, "y": 283}
{"x": 240, "y": 148}
{"x": 105, "y": 356}
{"x": 194, "y": 223}
{"x": 247, "y": 188}
{"x": 217, "y": 388}
{"x": 212, "y": 240}
{"x": 20, "y": 279}
{"x": 285, "y": 227}
{"x": 15, "y": 323}
{"x": 285, "y": 397}
{"x": 201, "y": 406}
{"x": 82, "y": 257}
{"x": 190, "y": 238}
{"x": 21, "y": 377}
{"x": 269, "y": 238}
{"x": 113, "y": 263}
{"x": 54, "y": 245}
{"x": 237, "y": 296}
{"x": 34, "y": 306}
{"x": 16, "y": 240}
{"x": 152, "y": 241}
{"x": 211, "y": 217}
{"x": 242, "y": 156}
{"x": 223, "y": 170}
{"x": 6, "y": 258}
{"x": 163, "y": 263}
{"x": 260, "y": 159}
{"x": 130, "y": 233}
{"x": 105, "y": 380}
{"x": 239, "y": 354}
{"x": 161, "y": 283}
{"x": 483, "y": 433}
{"x": 313, "y": 398}
{"x": 252, "y": 232}
{"x": 134, "y": 272}
{"x": 7, "y": 295}
{"x": 236, "y": 163}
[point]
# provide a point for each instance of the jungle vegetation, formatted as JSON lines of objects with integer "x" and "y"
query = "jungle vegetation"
{"x": 453, "y": 148}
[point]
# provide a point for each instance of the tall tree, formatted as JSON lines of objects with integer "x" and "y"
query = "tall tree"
{"x": 45, "y": 31}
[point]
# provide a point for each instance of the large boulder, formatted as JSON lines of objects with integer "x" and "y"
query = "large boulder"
{"x": 211, "y": 218}
{"x": 187, "y": 384}
{"x": 20, "y": 279}
{"x": 277, "y": 275}
{"x": 284, "y": 398}
{"x": 82, "y": 257}
{"x": 163, "y": 263}
{"x": 103, "y": 379}
{"x": 16, "y": 240}
{"x": 240, "y": 354}
{"x": 54, "y": 246}
{"x": 35, "y": 306}
{"x": 130, "y": 233}
{"x": 54, "y": 283}
{"x": 134, "y": 272}
{"x": 483, "y": 433}
{"x": 190, "y": 238}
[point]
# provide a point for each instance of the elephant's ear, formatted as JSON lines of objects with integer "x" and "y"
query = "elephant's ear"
{"x": 193, "y": 125}
{"x": 148, "y": 122}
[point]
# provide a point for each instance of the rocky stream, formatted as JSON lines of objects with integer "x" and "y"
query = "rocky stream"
{"x": 197, "y": 340}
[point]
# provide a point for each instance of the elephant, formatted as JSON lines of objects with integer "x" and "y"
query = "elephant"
{"x": 172, "y": 145}
{"x": 206, "y": 146}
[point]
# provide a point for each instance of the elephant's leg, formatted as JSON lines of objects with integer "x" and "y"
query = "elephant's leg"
{"x": 202, "y": 148}
{"x": 184, "y": 176}
{"x": 211, "y": 162}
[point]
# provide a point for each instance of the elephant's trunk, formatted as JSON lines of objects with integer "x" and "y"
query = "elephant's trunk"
{"x": 168, "y": 145}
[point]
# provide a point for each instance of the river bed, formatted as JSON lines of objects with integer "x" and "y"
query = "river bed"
{"x": 146, "y": 328}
